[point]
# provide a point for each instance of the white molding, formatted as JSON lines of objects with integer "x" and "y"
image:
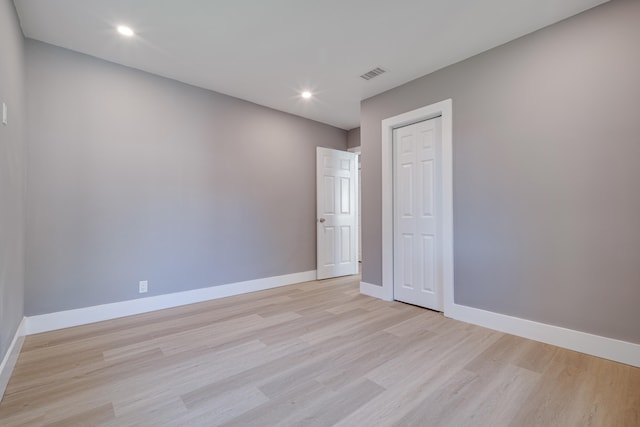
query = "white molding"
{"x": 356, "y": 150}
{"x": 445, "y": 110}
{"x": 595, "y": 345}
{"x": 375, "y": 291}
{"x": 98, "y": 313}
{"x": 10, "y": 359}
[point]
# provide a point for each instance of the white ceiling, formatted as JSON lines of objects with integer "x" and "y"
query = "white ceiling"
{"x": 267, "y": 51}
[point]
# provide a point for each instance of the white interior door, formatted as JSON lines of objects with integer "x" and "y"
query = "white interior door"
{"x": 417, "y": 218}
{"x": 336, "y": 213}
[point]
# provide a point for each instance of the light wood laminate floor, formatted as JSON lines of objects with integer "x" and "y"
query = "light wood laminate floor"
{"x": 312, "y": 354}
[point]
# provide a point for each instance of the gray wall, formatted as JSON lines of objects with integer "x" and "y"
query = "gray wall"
{"x": 137, "y": 177}
{"x": 353, "y": 138}
{"x": 12, "y": 171}
{"x": 546, "y": 170}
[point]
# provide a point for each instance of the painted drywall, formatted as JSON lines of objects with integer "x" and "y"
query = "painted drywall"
{"x": 546, "y": 148}
{"x": 353, "y": 138}
{"x": 137, "y": 177}
{"x": 12, "y": 169}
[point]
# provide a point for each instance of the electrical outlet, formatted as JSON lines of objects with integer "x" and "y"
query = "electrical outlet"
{"x": 143, "y": 286}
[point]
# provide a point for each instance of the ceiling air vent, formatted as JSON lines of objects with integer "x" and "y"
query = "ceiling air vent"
{"x": 373, "y": 73}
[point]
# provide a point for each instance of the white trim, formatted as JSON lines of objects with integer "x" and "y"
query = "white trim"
{"x": 595, "y": 345}
{"x": 356, "y": 150}
{"x": 11, "y": 357}
{"x": 98, "y": 313}
{"x": 358, "y": 189}
{"x": 445, "y": 110}
{"x": 375, "y": 291}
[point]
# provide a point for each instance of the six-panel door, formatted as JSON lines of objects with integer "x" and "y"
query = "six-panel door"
{"x": 417, "y": 223}
{"x": 336, "y": 213}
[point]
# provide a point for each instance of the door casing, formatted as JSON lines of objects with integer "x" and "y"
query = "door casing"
{"x": 443, "y": 109}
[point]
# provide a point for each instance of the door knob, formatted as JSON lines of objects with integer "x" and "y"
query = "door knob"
{"x": 322, "y": 220}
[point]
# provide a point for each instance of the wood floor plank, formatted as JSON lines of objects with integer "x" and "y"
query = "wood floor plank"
{"x": 94, "y": 416}
{"x": 342, "y": 403}
{"x": 223, "y": 408}
{"x": 313, "y": 354}
{"x": 497, "y": 402}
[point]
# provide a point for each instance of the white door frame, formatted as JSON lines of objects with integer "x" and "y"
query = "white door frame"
{"x": 358, "y": 152}
{"x": 443, "y": 109}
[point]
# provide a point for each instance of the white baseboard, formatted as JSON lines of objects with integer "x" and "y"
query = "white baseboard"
{"x": 10, "y": 359}
{"x": 374, "y": 291}
{"x": 98, "y": 313}
{"x": 595, "y": 345}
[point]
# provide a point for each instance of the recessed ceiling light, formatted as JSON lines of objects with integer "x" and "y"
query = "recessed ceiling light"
{"x": 125, "y": 31}
{"x": 306, "y": 94}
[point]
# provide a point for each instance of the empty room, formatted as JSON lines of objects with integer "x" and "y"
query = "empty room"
{"x": 330, "y": 213}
